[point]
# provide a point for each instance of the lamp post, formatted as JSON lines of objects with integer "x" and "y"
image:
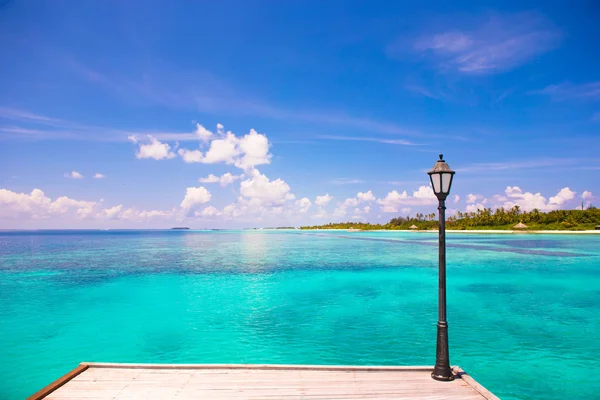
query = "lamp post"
{"x": 441, "y": 179}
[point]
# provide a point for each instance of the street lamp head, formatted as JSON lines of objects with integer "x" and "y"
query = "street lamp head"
{"x": 441, "y": 178}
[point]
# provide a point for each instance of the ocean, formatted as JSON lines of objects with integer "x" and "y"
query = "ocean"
{"x": 523, "y": 309}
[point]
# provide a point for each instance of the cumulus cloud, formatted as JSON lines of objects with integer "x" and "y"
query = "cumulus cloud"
{"x": 392, "y": 202}
{"x": 564, "y": 195}
{"x": 224, "y": 180}
{"x": 111, "y": 213}
{"x": 264, "y": 192}
{"x": 74, "y": 175}
{"x": 37, "y": 205}
{"x": 211, "y": 178}
{"x": 208, "y": 212}
{"x": 456, "y": 198}
{"x": 244, "y": 152}
{"x": 203, "y": 133}
{"x": 527, "y": 201}
{"x": 303, "y": 204}
{"x": 473, "y": 198}
{"x": 98, "y": 175}
{"x": 133, "y": 214}
{"x": 368, "y": 196}
{"x": 361, "y": 197}
{"x": 322, "y": 201}
{"x": 191, "y": 156}
{"x": 586, "y": 195}
{"x": 474, "y": 207}
{"x": 155, "y": 150}
{"x": 194, "y": 196}
{"x": 254, "y": 148}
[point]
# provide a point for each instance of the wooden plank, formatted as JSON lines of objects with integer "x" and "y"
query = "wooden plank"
{"x": 40, "y": 394}
{"x": 474, "y": 384}
{"x": 156, "y": 381}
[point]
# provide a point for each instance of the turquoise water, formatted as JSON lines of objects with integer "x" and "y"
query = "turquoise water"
{"x": 523, "y": 310}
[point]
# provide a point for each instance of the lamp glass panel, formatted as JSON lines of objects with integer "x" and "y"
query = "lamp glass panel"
{"x": 446, "y": 180}
{"x": 436, "y": 182}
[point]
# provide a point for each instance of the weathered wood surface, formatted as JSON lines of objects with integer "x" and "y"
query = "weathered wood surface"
{"x": 146, "y": 381}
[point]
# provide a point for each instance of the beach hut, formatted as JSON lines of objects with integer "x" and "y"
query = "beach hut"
{"x": 413, "y": 227}
{"x": 520, "y": 225}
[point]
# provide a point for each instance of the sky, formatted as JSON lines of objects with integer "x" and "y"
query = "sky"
{"x": 240, "y": 114}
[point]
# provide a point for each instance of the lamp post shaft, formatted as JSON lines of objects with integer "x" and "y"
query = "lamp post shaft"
{"x": 442, "y": 371}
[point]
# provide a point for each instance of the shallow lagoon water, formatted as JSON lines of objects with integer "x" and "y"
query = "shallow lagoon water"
{"x": 523, "y": 310}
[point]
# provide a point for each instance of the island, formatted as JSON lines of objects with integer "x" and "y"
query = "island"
{"x": 486, "y": 219}
{"x": 181, "y": 228}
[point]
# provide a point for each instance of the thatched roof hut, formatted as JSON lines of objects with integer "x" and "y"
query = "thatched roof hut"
{"x": 413, "y": 227}
{"x": 520, "y": 225}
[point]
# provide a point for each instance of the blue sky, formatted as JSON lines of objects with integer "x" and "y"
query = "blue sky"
{"x": 327, "y": 111}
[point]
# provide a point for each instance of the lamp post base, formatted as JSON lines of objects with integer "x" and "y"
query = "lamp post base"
{"x": 442, "y": 370}
{"x": 445, "y": 376}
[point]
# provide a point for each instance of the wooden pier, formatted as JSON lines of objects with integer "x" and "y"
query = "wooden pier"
{"x": 205, "y": 381}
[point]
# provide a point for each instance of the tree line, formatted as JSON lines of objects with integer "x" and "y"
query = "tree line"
{"x": 486, "y": 218}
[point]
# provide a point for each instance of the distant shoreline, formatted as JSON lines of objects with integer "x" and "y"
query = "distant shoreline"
{"x": 482, "y": 231}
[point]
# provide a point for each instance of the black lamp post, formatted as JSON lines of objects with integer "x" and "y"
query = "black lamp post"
{"x": 441, "y": 179}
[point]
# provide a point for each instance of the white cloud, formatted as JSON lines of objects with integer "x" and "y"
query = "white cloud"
{"x": 568, "y": 90}
{"x": 111, "y": 213}
{"x": 303, "y": 204}
{"x": 255, "y": 150}
{"x": 264, "y": 192}
{"x": 368, "y": 196}
{"x": 564, "y": 195}
{"x": 98, "y": 175}
{"x": 227, "y": 178}
{"x": 322, "y": 201}
{"x": 208, "y": 212}
{"x": 224, "y": 180}
{"x": 367, "y": 209}
{"x": 528, "y": 201}
{"x": 232, "y": 211}
{"x": 473, "y": 198}
{"x": 222, "y": 150}
{"x": 501, "y": 43}
{"x": 209, "y": 179}
{"x": 132, "y": 138}
{"x": 474, "y": 207}
{"x": 586, "y": 195}
{"x": 74, "y": 175}
{"x": 203, "y": 134}
{"x": 133, "y": 214}
{"x": 155, "y": 150}
{"x": 350, "y": 202}
{"x": 190, "y": 156}
{"x": 423, "y": 196}
{"x": 194, "y": 196}
{"x": 244, "y": 152}
{"x": 456, "y": 198}
{"x": 37, "y": 205}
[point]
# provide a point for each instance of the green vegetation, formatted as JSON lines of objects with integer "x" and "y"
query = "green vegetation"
{"x": 487, "y": 219}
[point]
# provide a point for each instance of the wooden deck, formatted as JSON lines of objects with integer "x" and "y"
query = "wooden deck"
{"x": 202, "y": 381}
